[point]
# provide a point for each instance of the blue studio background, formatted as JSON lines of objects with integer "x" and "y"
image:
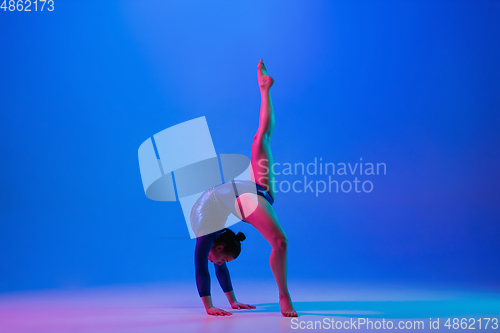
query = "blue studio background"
{"x": 412, "y": 84}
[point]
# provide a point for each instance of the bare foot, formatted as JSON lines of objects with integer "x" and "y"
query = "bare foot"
{"x": 265, "y": 81}
{"x": 287, "y": 307}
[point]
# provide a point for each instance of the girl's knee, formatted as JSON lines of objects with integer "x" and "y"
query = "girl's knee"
{"x": 262, "y": 138}
{"x": 280, "y": 243}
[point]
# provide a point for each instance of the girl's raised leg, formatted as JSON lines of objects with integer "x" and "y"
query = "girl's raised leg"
{"x": 262, "y": 158}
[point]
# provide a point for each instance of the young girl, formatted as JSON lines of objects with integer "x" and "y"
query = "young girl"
{"x": 251, "y": 201}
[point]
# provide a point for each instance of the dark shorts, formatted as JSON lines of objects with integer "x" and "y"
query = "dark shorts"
{"x": 226, "y": 193}
{"x": 213, "y": 207}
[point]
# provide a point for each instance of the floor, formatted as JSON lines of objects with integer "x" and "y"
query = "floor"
{"x": 175, "y": 307}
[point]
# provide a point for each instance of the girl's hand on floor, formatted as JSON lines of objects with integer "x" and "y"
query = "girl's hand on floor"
{"x": 239, "y": 306}
{"x": 213, "y": 311}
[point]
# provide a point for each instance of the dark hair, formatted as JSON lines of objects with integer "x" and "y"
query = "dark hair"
{"x": 231, "y": 242}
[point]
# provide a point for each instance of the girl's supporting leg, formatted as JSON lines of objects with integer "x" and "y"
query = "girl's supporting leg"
{"x": 262, "y": 158}
{"x": 264, "y": 219}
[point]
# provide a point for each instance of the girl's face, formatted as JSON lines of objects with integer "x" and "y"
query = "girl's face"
{"x": 217, "y": 256}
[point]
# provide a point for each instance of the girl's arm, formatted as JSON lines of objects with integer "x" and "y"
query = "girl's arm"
{"x": 203, "y": 247}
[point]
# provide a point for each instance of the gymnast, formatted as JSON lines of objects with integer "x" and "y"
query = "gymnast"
{"x": 251, "y": 201}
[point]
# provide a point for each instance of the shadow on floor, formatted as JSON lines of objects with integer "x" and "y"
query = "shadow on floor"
{"x": 395, "y": 309}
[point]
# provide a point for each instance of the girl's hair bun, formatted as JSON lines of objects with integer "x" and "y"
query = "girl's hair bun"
{"x": 240, "y": 236}
{"x": 231, "y": 242}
